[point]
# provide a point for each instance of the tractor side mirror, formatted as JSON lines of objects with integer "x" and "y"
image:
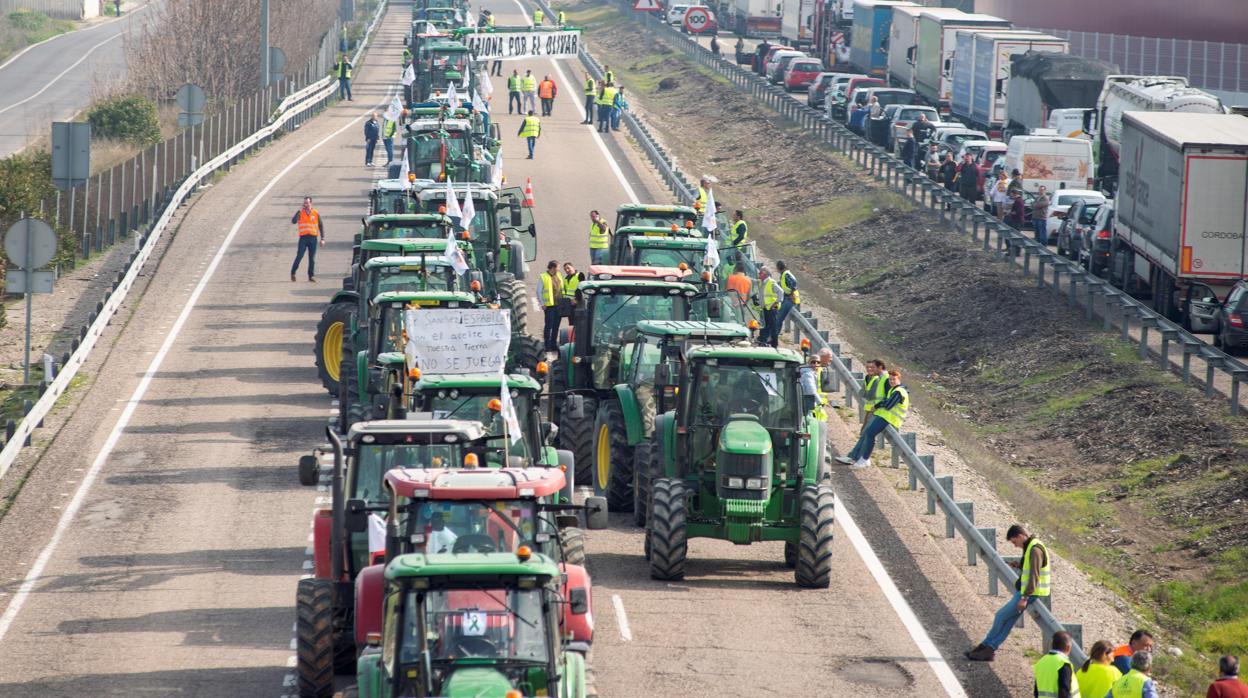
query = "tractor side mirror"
{"x": 513, "y": 209}
{"x": 578, "y": 601}
{"x": 662, "y": 376}
{"x": 549, "y": 430}
{"x": 595, "y": 513}
{"x": 309, "y": 471}
{"x": 576, "y": 406}
{"x": 356, "y": 516}
{"x": 532, "y": 230}
{"x": 714, "y": 308}
{"x": 476, "y": 276}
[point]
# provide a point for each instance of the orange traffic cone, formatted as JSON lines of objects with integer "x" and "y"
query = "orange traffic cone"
{"x": 528, "y": 193}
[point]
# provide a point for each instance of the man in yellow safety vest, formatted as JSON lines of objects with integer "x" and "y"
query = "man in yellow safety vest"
{"x": 890, "y": 412}
{"x": 530, "y": 130}
{"x": 591, "y": 94}
{"x": 770, "y": 336}
{"x": 310, "y": 230}
{"x": 792, "y": 297}
{"x": 538, "y": 16}
{"x": 514, "y": 84}
{"x": 606, "y": 101}
{"x": 1034, "y": 583}
{"x": 1055, "y": 675}
{"x": 1137, "y": 683}
{"x": 563, "y": 18}
{"x": 528, "y": 85}
{"x": 740, "y": 234}
{"x": 549, "y": 291}
{"x": 599, "y": 239}
{"x": 342, "y": 71}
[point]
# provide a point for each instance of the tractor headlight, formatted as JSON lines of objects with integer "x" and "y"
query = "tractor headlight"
{"x": 754, "y": 483}
{"x": 733, "y": 483}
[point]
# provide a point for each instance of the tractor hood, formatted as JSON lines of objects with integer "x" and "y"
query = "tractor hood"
{"x": 744, "y": 435}
{"x": 470, "y": 682}
{"x": 743, "y": 465}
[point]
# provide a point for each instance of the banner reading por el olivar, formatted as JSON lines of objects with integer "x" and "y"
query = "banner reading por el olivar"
{"x": 509, "y": 45}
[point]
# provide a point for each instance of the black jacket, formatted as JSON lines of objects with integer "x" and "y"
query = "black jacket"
{"x": 968, "y": 179}
{"x": 371, "y": 130}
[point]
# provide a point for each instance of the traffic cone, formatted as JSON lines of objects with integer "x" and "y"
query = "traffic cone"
{"x": 528, "y": 193}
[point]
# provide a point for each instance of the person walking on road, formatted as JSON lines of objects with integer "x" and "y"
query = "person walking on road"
{"x": 606, "y": 102}
{"x": 968, "y": 179}
{"x": 342, "y": 71}
{"x": 513, "y": 91}
{"x": 546, "y": 91}
{"x": 1228, "y": 684}
{"x": 530, "y": 130}
{"x": 528, "y": 84}
{"x": 388, "y": 130}
{"x": 889, "y": 412}
{"x": 739, "y": 233}
{"x": 591, "y": 95}
{"x": 1034, "y": 582}
{"x": 770, "y": 335}
{"x": 311, "y": 230}
{"x": 372, "y": 131}
{"x": 1137, "y": 683}
{"x": 549, "y": 291}
{"x": 618, "y": 107}
{"x": 1141, "y": 640}
{"x": 1054, "y": 674}
{"x": 1040, "y": 215}
{"x": 1098, "y": 673}
{"x": 792, "y": 297}
{"x": 599, "y": 239}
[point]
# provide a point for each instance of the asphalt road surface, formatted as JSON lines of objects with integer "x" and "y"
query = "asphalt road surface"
{"x": 54, "y": 80}
{"x": 156, "y": 548}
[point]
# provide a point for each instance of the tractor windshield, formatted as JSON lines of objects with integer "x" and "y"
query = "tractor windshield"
{"x": 364, "y": 481}
{"x": 489, "y": 622}
{"x": 481, "y": 219}
{"x": 457, "y": 404}
{"x": 430, "y": 154}
{"x": 615, "y": 315}
{"x": 721, "y": 390}
{"x": 652, "y": 219}
{"x": 390, "y": 230}
{"x": 468, "y": 526}
{"x": 659, "y": 257}
{"x": 412, "y": 278}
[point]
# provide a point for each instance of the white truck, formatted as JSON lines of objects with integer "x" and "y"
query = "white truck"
{"x": 902, "y": 40}
{"x": 981, "y": 73}
{"x": 756, "y": 19}
{"x": 933, "y": 53}
{"x": 1181, "y": 211}
{"x": 797, "y": 23}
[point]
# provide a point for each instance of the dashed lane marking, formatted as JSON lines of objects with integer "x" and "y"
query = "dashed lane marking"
{"x": 621, "y": 618}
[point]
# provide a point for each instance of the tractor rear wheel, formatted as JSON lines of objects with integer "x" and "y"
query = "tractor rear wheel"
{"x": 814, "y": 547}
{"x": 331, "y": 330}
{"x": 669, "y": 544}
{"x": 314, "y": 638}
{"x": 350, "y": 409}
{"x": 643, "y": 475}
{"x": 572, "y": 546}
{"x": 613, "y": 459}
{"x": 525, "y": 352}
{"x": 516, "y": 299}
{"x": 576, "y": 435}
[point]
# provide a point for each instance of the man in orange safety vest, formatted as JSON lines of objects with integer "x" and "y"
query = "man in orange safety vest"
{"x": 310, "y": 231}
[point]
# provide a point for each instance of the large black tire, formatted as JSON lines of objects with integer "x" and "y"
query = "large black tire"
{"x": 516, "y": 299}
{"x": 814, "y": 547}
{"x": 525, "y": 352}
{"x": 314, "y": 638}
{"x": 351, "y": 410}
{"x": 643, "y": 474}
{"x": 577, "y": 436}
{"x": 669, "y": 543}
{"x": 790, "y": 554}
{"x": 572, "y": 546}
{"x": 335, "y": 322}
{"x": 613, "y": 458}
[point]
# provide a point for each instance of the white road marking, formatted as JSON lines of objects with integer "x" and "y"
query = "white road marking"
{"x": 62, "y": 525}
{"x": 917, "y": 633}
{"x": 61, "y": 74}
{"x": 19, "y": 54}
{"x": 626, "y": 633}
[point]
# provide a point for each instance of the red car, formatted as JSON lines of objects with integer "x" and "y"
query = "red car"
{"x": 801, "y": 73}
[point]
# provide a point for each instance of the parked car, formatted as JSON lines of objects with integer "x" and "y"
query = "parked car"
{"x": 1232, "y": 320}
{"x": 765, "y": 60}
{"x": 1061, "y": 200}
{"x": 1097, "y": 237}
{"x": 818, "y": 89}
{"x": 676, "y": 13}
{"x": 899, "y": 125}
{"x": 801, "y": 73}
{"x": 775, "y": 74}
{"x": 1070, "y": 234}
{"x": 854, "y": 89}
{"x": 950, "y": 137}
{"x": 834, "y": 97}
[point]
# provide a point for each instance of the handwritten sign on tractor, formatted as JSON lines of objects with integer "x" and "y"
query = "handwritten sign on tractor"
{"x": 449, "y": 340}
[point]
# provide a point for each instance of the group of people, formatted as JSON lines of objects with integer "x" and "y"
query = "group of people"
{"x": 556, "y": 293}
{"x": 885, "y": 403}
{"x": 379, "y": 129}
{"x": 606, "y": 99}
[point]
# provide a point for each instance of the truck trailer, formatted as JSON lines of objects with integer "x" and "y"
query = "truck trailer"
{"x": 981, "y": 73}
{"x": 933, "y": 54}
{"x": 1180, "y": 232}
{"x": 902, "y": 38}
{"x": 797, "y": 23}
{"x": 1042, "y": 83}
{"x": 756, "y": 19}
{"x": 873, "y": 21}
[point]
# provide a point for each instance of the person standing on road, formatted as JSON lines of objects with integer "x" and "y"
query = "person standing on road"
{"x": 1000, "y": 197}
{"x": 311, "y": 229}
{"x": 513, "y": 91}
{"x": 342, "y": 71}
{"x": 538, "y": 16}
{"x": 372, "y": 131}
{"x": 599, "y": 239}
{"x": 117, "y": 7}
{"x": 1228, "y": 684}
{"x": 530, "y": 130}
{"x": 1040, "y": 215}
{"x": 549, "y": 291}
{"x": 770, "y": 335}
{"x": 792, "y": 297}
{"x": 740, "y": 230}
{"x": 618, "y": 107}
{"x": 563, "y": 19}
{"x": 949, "y": 172}
{"x": 1016, "y": 215}
{"x": 591, "y": 94}
{"x": 1098, "y": 673}
{"x": 715, "y": 45}
{"x": 968, "y": 179}
{"x": 608, "y": 76}
{"x": 1016, "y": 182}
{"x": 889, "y": 412}
{"x": 388, "y": 130}
{"x": 1034, "y": 582}
{"x": 529, "y": 86}
{"x": 1137, "y": 683}
{"x": 1141, "y": 640}
{"x": 546, "y": 91}
{"x": 1054, "y": 674}
{"x": 571, "y": 281}
{"x": 606, "y": 102}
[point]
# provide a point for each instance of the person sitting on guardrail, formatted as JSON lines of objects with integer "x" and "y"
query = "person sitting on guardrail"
{"x": 890, "y": 412}
{"x": 1054, "y": 673}
{"x": 874, "y": 389}
{"x": 1034, "y": 582}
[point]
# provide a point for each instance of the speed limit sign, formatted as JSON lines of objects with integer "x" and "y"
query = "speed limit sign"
{"x": 697, "y": 19}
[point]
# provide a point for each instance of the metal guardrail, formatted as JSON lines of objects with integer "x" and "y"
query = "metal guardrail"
{"x": 981, "y": 543}
{"x": 294, "y": 115}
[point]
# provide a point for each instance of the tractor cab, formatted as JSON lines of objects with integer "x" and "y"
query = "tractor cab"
{"x": 621, "y": 243}
{"x": 390, "y": 226}
{"x": 388, "y": 196}
{"x": 473, "y": 624}
{"x": 498, "y": 213}
{"x": 439, "y": 64}
{"x": 666, "y": 251}
{"x": 442, "y": 148}
{"x": 655, "y": 216}
{"x": 476, "y": 397}
{"x": 741, "y": 461}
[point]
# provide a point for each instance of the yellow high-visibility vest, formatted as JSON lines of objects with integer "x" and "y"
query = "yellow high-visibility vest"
{"x": 1044, "y": 579}
{"x": 591, "y": 87}
{"x": 1046, "y": 673}
{"x": 532, "y": 127}
{"x": 547, "y": 289}
{"x": 771, "y": 294}
{"x": 788, "y": 282}
{"x": 538, "y": 16}
{"x": 599, "y": 236}
{"x": 896, "y": 414}
{"x": 607, "y": 98}
{"x": 1131, "y": 685}
{"x": 529, "y": 82}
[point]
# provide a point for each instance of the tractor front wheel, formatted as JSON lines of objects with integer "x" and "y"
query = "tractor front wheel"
{"x": 526, "y": 351}
{"x": 613, "y": 459}
{"x": 669, "y": 543}
{"x": 516, "y": 299}
{"x": 333, "y": 327}
{"x": 576, "y": 435}
{"x": 814, "y": 547}
{"x": 643, "y": 475}
{"x": 314, "y": 636}
{"x": 572, "y": 546}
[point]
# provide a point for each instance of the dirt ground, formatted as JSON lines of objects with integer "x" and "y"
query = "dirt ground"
{"x": 1136, "y": 477}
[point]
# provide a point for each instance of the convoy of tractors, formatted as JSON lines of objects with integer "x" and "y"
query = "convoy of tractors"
{"x": 451, "y": 557}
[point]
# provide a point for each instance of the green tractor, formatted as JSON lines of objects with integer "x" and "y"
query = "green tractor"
{"x": 473, "y": 624}
{"x": 655, "y": 216}
{"x": 440, "y": 62}
{"x": 439, "y": 147}
{"x": 736, "y": 458}
{"x": 498, "y": 212}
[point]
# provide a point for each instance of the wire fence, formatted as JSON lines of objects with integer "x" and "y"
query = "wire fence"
{"x": 62, "y": 9}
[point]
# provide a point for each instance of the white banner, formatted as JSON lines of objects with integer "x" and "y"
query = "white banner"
{"x": 534, "y": 44}
{"x": 450, "y": 340}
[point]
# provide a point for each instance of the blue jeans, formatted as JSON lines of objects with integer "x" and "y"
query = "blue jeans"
{"x": 344, "y": 88}
{"x": 369, "y": 146}
{"x": 589, "y": 108}
{"x": 307, "y": 243}
{"x": 866, "y": 440}
{"x": 785, "y": 306}
{"x": 532, "y": 140}
{"x": 1042, "y": 230}
{"x": 389, "y": 143}
{"x": 604, "y": 117}
{"x": 1007, "y": 616}
{"x": 513, "y": 97}
{"x": 598, "y": 256}
{"x": 615, "y": 118}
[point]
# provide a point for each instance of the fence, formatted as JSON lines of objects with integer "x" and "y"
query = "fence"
{"x": 169, "y": 189}
{"x": 63, "y": 9}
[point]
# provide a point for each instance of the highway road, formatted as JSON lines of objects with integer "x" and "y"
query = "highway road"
{"x": 156, "y": 548}
{"x": 54, "y": 80}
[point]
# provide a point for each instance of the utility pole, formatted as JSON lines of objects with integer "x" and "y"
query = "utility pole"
{"x": 264, "y": 44}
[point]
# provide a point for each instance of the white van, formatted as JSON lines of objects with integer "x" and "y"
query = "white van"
{"x": 676, "y": 13}
{"x": 1054, "y": 161}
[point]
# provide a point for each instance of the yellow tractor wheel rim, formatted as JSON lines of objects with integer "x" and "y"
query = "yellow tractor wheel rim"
{"x": 331, "y": 351}
{"x": 604, "y": 456}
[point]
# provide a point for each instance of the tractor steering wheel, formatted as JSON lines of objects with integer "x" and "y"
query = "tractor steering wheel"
{"x": 474, "y": 542}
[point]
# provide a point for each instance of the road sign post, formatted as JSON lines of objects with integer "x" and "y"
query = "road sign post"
{"x": 29, "y": 245}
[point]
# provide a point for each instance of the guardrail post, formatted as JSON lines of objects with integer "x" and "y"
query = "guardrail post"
{"x": 909, "y": 439}
{"x": 972, "y": 552}
{"x": 1040, "y": 262}
{"x": 1189, "y": 347}
{"x": 927, "y": 461}
{"x": 1237, "y": 375}
{"x": 967, "y": 508}
{"x": 945, "y": 483}
{"x": 1145, "y": 323}
{"x": 1076, "y": 634}
{"x": 1167, "y": 334}
{"x": 1212, "y": 362}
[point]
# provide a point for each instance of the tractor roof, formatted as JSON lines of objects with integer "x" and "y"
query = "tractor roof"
{"x": 406, "y": 217}
{"x": 391, "y": 185}
{"x": 490, "y": 381}
{"x": 437, "y": 190}
{"x": 424, "y": 297}
{"x": 656, "y": 208}
{"x": 637, "y": 286}
{"x": 431, "y": 111}
{"x": 472, "y": 565}
{"x": 427, "y": 125}
{"x": 748, "y": 353}
{"x": 667, "y": 242}
{"x": 673, "y": 230}
{"x": 607, "y": 272}
{"x": 457, "y": 429}
{"x": 407, "y": 263}
{"x": 476, "y": 483}
{"x": 688, "y": 328}
{"x": 405, "y": 246}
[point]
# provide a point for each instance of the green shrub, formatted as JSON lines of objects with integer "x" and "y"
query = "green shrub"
{"x": 131, "y": 118}
{"x": 29, "y": 20}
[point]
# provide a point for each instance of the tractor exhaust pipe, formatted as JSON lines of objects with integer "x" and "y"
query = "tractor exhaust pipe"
{"x": 338, "y": 507}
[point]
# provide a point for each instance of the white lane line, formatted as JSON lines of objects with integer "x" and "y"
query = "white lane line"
{"x": 61, "y": 74}
{"x": 626, "y": 633}
{"x": 62, "y": 525}
{"x": 917, "y": 633}
{"x": 19, "y": 54}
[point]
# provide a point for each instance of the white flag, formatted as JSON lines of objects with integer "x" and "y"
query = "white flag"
{"x": 497, "y": 179}
{"x": 464, "y": 87}
{"x": 467, "y": 211}
{"x": 479, "y": 104}
{"x": 484, "y": 86}
{"x": 708, "y": 216}
{"x": 452, "y": 204}
{"x": 409, "y": 75}
{"x": 509, "y": 414}
{"x": 395, "y": 110}
{"x": 376, "y": 535}
{"x": 454, "y": 256}
{"x": 452, "y": 98}
{"x": 404, "y": 170}
{"x": 712, "y": 253}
